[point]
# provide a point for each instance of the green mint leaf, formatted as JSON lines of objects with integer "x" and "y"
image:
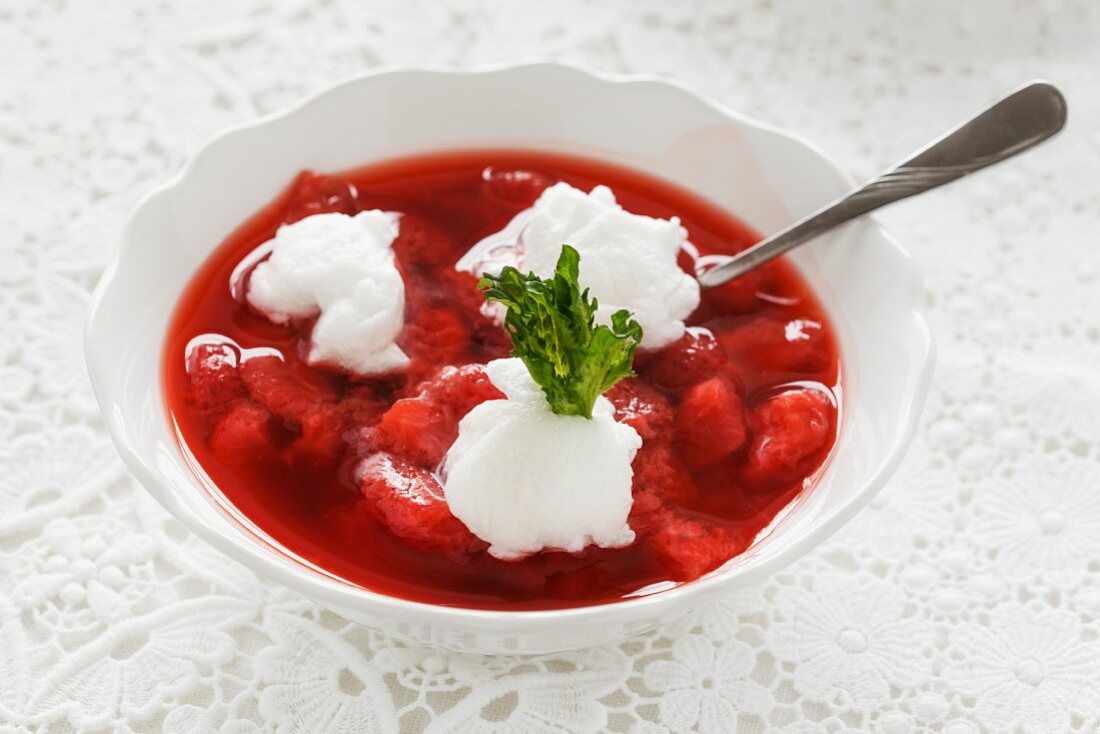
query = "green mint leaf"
{"x": 552, "y": 325}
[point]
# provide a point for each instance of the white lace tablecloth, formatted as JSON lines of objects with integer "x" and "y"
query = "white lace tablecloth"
{"x": 965, "y": 599}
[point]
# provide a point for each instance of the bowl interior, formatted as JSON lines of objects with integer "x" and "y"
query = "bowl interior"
{"x": 763, "y": 176}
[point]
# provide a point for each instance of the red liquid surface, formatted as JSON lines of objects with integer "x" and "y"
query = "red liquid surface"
{"x": 772, "y": 335}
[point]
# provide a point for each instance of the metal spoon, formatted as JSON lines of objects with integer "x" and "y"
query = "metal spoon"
{"x": 1020, "y": 121}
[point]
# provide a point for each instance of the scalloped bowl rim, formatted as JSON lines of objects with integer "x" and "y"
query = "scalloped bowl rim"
{"x": 327, "y": 590}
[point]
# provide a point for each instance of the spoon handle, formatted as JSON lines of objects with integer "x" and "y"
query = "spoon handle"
{"x": 1020, "y": 121}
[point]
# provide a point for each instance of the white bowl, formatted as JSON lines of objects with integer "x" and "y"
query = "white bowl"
{"x": 763, "y": 175}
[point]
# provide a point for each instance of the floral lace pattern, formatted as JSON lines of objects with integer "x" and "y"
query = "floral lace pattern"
{"x": 965, "y": 599}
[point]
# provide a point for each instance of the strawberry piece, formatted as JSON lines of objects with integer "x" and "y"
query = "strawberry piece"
{"x": 444, "y": 287}
{"x": 647, "y": 512}
{"x": 422, "y": 428}
{"x": 458, "y": 289}
{"x": 457, "y": 292}
{"x": 659, "y": 472}
{"x": 271, "y": 383}
{"x": 693, "y": 357}
{"x": 661, "y": 484}
{"x": 770, "y": 343}
{"x": 460, "y": 389}
{"x": 243, "y": 434}
{"x": 791, "y": 429}
{"x": 710, "y": 422}
{"x": 362, "y": 406}
{"x": 316, "y": 193}
{"x": 643, "y": 408}
{"x": 321, "y": 435}
{"x": 419, "y": 241}
{"x": 516, "y": 188}
{"x": 308, "y": 405}
{"x": 417, "y": 429}
{"x": 436, "y": 335}
{"x": 214, "y": 378}
{"x": 409, "y": 502}
{"x": 689, "y": 548}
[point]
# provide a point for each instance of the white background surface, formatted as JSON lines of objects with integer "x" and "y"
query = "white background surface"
{"x": 965, "y": 599}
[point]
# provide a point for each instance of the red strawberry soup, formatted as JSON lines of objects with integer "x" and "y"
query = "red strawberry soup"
{"x": 735, "y": 417}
